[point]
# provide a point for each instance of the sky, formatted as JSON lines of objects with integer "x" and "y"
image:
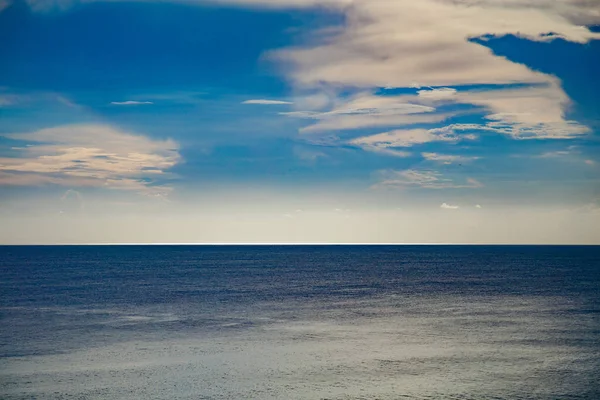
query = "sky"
{"x": 300, "y": 121}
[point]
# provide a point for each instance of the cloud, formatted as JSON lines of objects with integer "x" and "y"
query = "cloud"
{"x": 554, "y": 154}
{"x": 424, "y": 179}
{"x": 367, "y": 110}
{"x": 349, "y": 122}
{"x": 387, "y": 151}
{"x": 446, "y": 206}
{"x": 315, "y": 101}
{"x": 531, "y": 112}
{"x": 266, "y": 102}
{"x": 477, "y": 206}
{"x": 385, "y": 142}
{"x": 437, "y": 94}
{"x": 393, "y": 44}
{"x": 572, "y": 153}
{"x": 526, "y": 112}
{"x": 396, "y": 43}
{"x": 90, "y": 156}
{"x": 130, "y": 103}
{"x": 446, "y": 158}
{"x": 34, "y": 98}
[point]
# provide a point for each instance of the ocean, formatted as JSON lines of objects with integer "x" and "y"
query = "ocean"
{"x": 300, "y": 322}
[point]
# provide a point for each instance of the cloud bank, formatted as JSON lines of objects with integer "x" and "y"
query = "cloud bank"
{"x": 90, "y": 155}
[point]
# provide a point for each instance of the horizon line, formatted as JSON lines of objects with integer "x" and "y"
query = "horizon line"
{"x": 298, "y": 244}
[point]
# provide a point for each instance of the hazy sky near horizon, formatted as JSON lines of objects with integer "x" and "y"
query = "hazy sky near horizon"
{"x": 431, "y": 121}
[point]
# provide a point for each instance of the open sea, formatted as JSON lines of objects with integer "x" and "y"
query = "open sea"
{"x": 300, "y": 322}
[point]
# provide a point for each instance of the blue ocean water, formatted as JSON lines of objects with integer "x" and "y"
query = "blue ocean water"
{"x": 300, "y": 322}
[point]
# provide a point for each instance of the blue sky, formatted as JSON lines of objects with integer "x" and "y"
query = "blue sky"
{"x": 299, "y": 121}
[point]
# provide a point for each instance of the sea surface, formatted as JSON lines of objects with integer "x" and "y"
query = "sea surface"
{"x": 300, "y": 322}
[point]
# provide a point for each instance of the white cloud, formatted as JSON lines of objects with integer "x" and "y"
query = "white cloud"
{"x": 437, "y": 94}
{"x": 382, "y": 149}
{"x": 368, "y": 110}
{"x": 571, "y": 154}
{"x": 393, "y": 44}
{"x": 554, "y": 154}
{"x": 446, "y": 158}
{"x": 90, "y": 155}
{"x": 266, "y": 102}
{"x": 477, "y": 206}
{"x": 528, "y": 112}
{"x": 385, "y": 142}
{"x": 446, "y": 206}
{"x": 315, "y": 101}
{"x": 422, "y": 178}
{"x": 396, "y": 43}
{"x": 348, "y": 122}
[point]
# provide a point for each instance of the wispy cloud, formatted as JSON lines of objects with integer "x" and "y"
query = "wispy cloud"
{"x": 387, "y": 44}
{"x": 527, "y": 112}
{"x": 437, "y": 94}
{"x": 267, "y": 102}
{"x": 447, "y": 158}
{"x": 387, "y": 151}
{"x": 368, "y": 110}
{"x": 530, "y": 112}
{"x": 571, "y": 154}
{"x": 130, "y": 103}
{"x": 35, "y": 98}
{"x": 423, "y": 179}
{"x": 554, "y": 154}
{"x": 387, "y": 141}
{"x": 383, "y": 43}
{"x": 358, "y": 121}
{"x": 447, "y": 206}
{"x": 90, "y": 155}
